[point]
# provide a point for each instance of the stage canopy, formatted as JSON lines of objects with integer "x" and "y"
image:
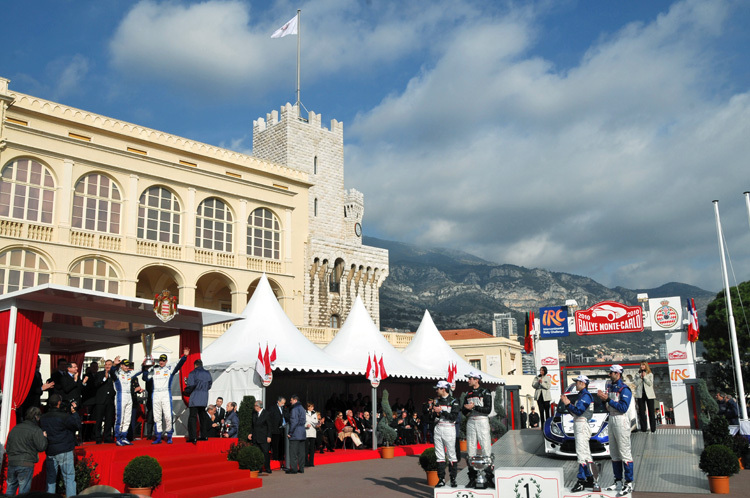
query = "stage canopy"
{"x": 359, "y": 337}
{"x": 429, "y": 350}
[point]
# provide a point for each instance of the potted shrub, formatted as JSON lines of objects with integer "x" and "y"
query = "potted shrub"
{"x": 717, "y": 432}
{"x": 740, "y": 447}
{"x": 384, "y": 427}
{"x": 245, "y": 414}
{"x": 428, "y": 462}
{"x": 86, "y": 474}
{"x": 142, "y": 474}
{"x": 250, "y": 457}
{"x": 719, "y": 462}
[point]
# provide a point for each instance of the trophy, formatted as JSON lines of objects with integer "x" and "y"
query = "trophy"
{"x": 480, "y": 463}
{"x": 594, "y": 469}
{"x": 147, "y": 338}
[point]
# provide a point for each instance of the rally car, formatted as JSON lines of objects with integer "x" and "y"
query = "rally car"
{"x": 558, "y": 429}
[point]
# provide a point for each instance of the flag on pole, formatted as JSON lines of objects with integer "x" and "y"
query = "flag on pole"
{"x": 370, "y": 372}
{"x": 528, "y": 341}
{"x": 382, "y": 375}
{"x": 260, "y": 364}
{"x": 273, "y": 358}
{"x": 290, "y": 28}
{"x": 693, "y": 327}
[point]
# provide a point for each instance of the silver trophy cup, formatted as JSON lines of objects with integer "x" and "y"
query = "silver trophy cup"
{"x": 147, "y": 338}
{"x": 480, "y": 463}
{"x": 594, "y": 469}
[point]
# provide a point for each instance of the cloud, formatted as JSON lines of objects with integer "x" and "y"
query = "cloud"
{"x": 605, "y": 169}
{"x": 68, "y": 75}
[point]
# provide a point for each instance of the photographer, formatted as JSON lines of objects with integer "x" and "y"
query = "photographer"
{"x": 644, "y": 394}
{"x": 25, "y": 442}
{"x": 61, "y": 423}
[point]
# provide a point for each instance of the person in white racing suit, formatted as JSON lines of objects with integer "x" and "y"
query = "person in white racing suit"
{"x": 444, "y": 413}
{"x": 477, "y": 409}
{"x": 122, "y": 374}
{"x": 161, "y": 395}
{"x": 582, "y": 411}
{"x": 618, "y": 397}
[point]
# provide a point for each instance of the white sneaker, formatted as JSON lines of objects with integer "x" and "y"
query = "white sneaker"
{"x": 613, "y": 487}
{"x": 627, "y": 488}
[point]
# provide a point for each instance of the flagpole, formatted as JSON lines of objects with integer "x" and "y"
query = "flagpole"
{"x": 747, "y": 203}
{"x": 299, "y": 45}
{"x": 732, "y": 329}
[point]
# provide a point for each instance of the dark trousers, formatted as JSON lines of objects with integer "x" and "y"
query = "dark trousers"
{"x": 643, "y": 403}
{"x": 329, "y": 438}
{"x": 297, "y": 455}
{"x": 310, "y": 452}
{"x": 277, "y": 446}
{"x": 197, "y": 415}
{"x": 543, "y": 411}
{"x": 104, "y": 413}
{"x": 266, "y": 449}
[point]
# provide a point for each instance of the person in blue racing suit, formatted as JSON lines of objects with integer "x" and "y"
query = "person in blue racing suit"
{"x": 618, "y": 398}
{"x": 122, "y": 374}
{"x": 582, "y": 411}
{"x": 161, "y": 395}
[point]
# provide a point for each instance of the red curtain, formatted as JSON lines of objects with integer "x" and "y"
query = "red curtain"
{"x": 69, "y": 357}
{"x": 28, "y": 336}
{"x": 4, "y": 322}
{"x": 189, "y": 339}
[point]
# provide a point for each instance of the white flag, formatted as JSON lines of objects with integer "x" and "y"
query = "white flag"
{"x": 290, "y": 28}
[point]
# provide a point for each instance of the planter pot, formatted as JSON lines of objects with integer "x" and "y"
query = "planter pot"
{"x": 254, "y": 473}
{"x": 432, "y": 478}
{"x": 140, "y": 491}
{"x": 719, "y": 484}
{"x": 386, "y": 452}
{"x": 462, "y": 444}
{"x": 742, "y": 467}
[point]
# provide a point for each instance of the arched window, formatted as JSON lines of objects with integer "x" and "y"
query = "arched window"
{"x": 335, "y": 321}
{"x": 21, "y": 269}
{"x": 27, "y": 191}
{"x": 97, "y": 204}
{"x": 263, "y": 234}
{"x": 159, "y": 216}
{"x": 213, "y": 226}
{"x": 335, "y": 279}
{"x": 94, "y": 274}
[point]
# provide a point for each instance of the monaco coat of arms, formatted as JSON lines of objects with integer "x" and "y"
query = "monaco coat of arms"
{"x": 165, "y": 306}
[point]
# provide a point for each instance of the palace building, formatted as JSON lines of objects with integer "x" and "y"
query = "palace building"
{"x": 98, "y": 203}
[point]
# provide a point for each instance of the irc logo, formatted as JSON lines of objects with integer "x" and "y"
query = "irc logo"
{"x": 555, "y": 379}
{"x": 553, "y": 316}
{"x": 679, "y": 374}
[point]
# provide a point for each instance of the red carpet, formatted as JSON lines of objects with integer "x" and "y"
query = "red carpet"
{"x": 197, "y": 471}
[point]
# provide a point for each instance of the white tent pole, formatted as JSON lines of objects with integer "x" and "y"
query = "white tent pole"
{"x": 10, "y": 356}
{"x": 374, "y": 418}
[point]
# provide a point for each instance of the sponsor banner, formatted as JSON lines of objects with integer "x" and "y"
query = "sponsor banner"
{"x": 681, "y": 367}
{"x": 609, "y": 317}
{"x": 553, "y": 322}
{"x": 546, "y": 355}
{"x": 525, "y": 482}
{"x": 665, "y": 313}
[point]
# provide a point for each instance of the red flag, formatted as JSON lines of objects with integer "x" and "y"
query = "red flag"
{"x": 450, "y": 373}
{"x": 267, "y": 361}
{"x": 369, "y": 368}
{"x": 260, "y": 365}
{"x": 273, "y": 357}
{"x": 382, "y": 375}
{"x": 528, "y": 342}
{"x": 693, "y": 327}
{"x": 376, "y": 370}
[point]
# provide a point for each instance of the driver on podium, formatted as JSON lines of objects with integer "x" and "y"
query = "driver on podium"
{"x": 582, "y": 411}
{"x": 477, "y": 410}
{"x": 444, "y": 414}
{"x": 161, "y": 396}
{"x": 122, "y": 373}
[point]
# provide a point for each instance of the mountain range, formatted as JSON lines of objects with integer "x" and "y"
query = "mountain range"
{"x": 463, "y": 291}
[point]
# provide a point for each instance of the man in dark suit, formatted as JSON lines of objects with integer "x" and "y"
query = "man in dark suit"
{"x": 34, "y": 396}
{"x": 220, "y": 411}
{"x": 56, "y": 376}
{"x": 104, "y": 408}
{"x": 198, "y": 383}
{"x": 72, "y": 385}
{"x": 279, "y": 419}
{"x": 261, "y": 435}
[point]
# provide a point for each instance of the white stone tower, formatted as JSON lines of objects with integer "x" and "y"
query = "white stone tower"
{"x": 339, "y": 266}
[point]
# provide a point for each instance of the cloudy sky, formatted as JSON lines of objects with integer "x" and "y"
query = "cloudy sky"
{"x": 577, "y": 136}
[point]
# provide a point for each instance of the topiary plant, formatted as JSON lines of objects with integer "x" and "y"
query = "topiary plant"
{"x": 709, "y": 406}
{"x": 384, "y": 427}
{"x": 234, "y": 450}
{"x": 245, "y": 414}
{"x": 428, "y": 460}
{"x": 250, "y": 457}
{"x": 718, "y": 460}
{"x": 717, "y": 432}
{"x": 142, "y": 472}
{"x": 740, "y": 445}
{"x": 499, "y": 423}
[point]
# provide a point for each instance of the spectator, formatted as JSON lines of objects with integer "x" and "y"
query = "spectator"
{"x": 344, "y": 429}
{"x": 311, "y": 425}
{"x": 542, "y": 385}
{"x": 214, "y": 426}
{"x": 231, "y": 421}
{"x": 198, "y": 383}
{"x": 328, "y": 433}
{"x": 427, "y": 420}
{"x": 366, "y": 424}
{"x": 733, "y": 411}
{"x": 722, "y": 404}
{"x": 60, "y": 424}
{"x": 533, "y": 418}
{"x": 279, "y": 418}
{"x": 261, "y": 436}
{"x": 297, "y": 437}
{"x": 524, "y": 418}
{"x": 220, "y": 411}
{"x": 104, "y": 409}
{"x": 34, "y": 396}
{"x": 25, "y": 442}
{"x": 644, "y": 394}
{"x": 405, "y": 428}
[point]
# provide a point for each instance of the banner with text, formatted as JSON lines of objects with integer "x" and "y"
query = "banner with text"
{"x": 665, "y": 313}
{"x": 681, "y": 367}
{"x": 546, "y": 356}
{"x": 553, "y": 322}
{"x": 609, "y": 317}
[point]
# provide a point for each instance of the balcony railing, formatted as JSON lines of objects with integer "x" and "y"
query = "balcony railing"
{"x": 28, "y": 231}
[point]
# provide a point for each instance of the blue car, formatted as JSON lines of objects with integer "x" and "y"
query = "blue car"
{"x": 558, "y": 429}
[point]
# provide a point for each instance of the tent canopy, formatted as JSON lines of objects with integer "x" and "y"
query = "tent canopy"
{"x": 359, "y": 337}
{"x": 266, "y": 324}
{"x": 429, "y": 350}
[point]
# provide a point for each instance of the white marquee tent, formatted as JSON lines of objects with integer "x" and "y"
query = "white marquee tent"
{"x": 429, "y": 350}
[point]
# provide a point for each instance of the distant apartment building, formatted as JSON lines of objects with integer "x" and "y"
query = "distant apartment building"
{"x": 504, "y": 325}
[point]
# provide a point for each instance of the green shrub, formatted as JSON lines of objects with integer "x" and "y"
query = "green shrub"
{"x": 499, "y": 423}
{"x": 740, "y": 445}
{"x": 234, "y": 450}
{"x": 718, "y": 460}
{"x": 142, "y": 472}
{"x": 245, "y": 414}
{"x": 384, "y": 427}
{"x": 709, "y": 406}
{"x": 250, "y": 457}
{"x": 85, "y": 472}
{"x": 717, "y": 432}
{"x": 428, "y": 459}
